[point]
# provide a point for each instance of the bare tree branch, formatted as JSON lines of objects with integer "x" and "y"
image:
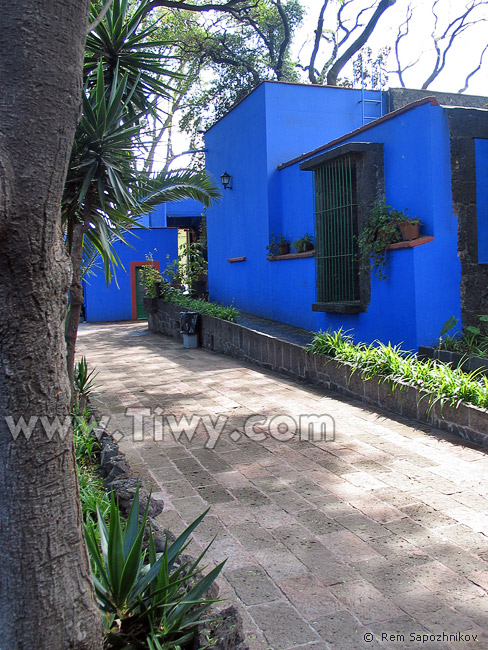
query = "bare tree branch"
{"x": 403, "y": 30}
{"x": 316, "y": 45}
{"x": 473, "y": 72}
{"x": 359, "y": 42}
{"x": 230, "y": 5}
{"x": 346, "y": 30}
{"x": 452, "y": 31}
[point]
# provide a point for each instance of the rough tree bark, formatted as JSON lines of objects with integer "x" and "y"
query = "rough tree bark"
{"x": 76, "y": 287}
{"x": 46, "y": 597}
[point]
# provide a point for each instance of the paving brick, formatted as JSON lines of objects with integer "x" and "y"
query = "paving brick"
{"x": 365, "y": 601}
{"x": 343, "y": 631}
{"x": 253, "y": 586}
{"x": 282, "y": 626}
{"x": 326, "y": 541}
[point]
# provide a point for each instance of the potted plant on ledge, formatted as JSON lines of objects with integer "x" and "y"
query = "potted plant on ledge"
{"x": 278, "y": 245}
{"x": 385, "y": 226}
{"x": 303, "y": 244}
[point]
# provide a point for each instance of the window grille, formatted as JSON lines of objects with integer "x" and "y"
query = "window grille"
{"x": 336, "y": 231}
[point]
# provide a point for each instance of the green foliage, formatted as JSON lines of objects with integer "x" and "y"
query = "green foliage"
{"x": 121, "y": 42}
{"x": 188, "y": 267}
{"x": 472, "y": 340}
{"x": 303, "y": 244}
{"x": 441, "y": 383}
{"x": 202, "y": 306}
{"x": 148, "y": 599}
{"x": 106, "y": 192}
{"x": 449, "y": 325}
{"x": 83, "y": 385}
{"x": 238, "y": 51}
{"x": 92, "y": 493}
{"x": 151, "y": 278}
{"x": 380, "y": 231}
{"x": 84, "y": 378}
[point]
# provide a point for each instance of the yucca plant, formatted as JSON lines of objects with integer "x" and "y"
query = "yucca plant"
{"x": 105, "y": 191}
{"x": 83, "y": 386}
{"x": 122, "y": 40}
{"x": 142, "y": 593}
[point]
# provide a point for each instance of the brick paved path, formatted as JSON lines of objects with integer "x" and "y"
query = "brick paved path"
{"x": 381, "y": 531}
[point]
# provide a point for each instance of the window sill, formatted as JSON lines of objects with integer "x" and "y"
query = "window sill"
{"x": 339, "y": 307}
{"x": 233, "y": 260}
{"x": 290, "y": 256}
{"x": 411, "y": 243}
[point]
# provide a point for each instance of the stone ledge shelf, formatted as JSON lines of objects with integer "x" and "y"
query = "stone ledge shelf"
{"x": 236, "y": 259}
{"x": 290, "y": 256}
{"x": 411, "y": 243}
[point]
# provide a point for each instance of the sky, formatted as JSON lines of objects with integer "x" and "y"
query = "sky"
{"x": 463, "y": 56}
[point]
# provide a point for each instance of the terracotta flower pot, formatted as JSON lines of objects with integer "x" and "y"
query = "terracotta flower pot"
{"x": 283, "y": 249}
{"x": 409, "y": 231}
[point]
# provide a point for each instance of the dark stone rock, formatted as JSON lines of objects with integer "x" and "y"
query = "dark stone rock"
{"x": 117, "y": 468}
{"x": 225, "y": 633}
{"x": 125, "y": 489}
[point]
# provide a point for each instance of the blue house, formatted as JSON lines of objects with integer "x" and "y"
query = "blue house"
{"x": 160, "y": 235}
{"x": 288, "y": 148}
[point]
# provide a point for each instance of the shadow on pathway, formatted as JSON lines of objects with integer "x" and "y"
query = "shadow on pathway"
{"x": 373, "y": 537}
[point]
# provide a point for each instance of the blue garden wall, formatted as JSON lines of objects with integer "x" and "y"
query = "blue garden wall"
{"x": 114, "y": 303}
{"x": 278, "y": 122}
{"x": 273, "y": 124}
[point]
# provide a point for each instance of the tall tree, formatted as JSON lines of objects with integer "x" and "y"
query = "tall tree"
{"x": 224, "y": 56}
{"x": 46, "y": 597}
{"x": 105, "y": 191}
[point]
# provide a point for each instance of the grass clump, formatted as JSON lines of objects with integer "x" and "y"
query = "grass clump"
{"x": 87, "y": 447}
{"x": 441, "y": 383}
{"x": 202, "y": 306}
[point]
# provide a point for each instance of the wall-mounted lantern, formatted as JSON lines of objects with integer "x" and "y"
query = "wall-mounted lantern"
{"x": 226, "y": 180}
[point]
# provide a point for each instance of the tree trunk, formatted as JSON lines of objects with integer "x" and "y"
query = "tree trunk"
{"x": 76, "y": 288}
{"x": 46, "y": 597}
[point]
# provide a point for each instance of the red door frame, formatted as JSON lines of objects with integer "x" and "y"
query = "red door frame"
{"x": 133, "y": 266}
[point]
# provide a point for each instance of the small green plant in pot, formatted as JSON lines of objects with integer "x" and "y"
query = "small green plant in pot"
{"x": 303, "y": 244}
{"x": 278, "y": 245}
{"x": 383, "y": 228}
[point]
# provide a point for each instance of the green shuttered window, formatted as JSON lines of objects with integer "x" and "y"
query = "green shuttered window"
{"x": 336, "y": 231}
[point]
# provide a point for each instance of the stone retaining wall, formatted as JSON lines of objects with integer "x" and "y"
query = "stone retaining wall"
{"x": 293, "y": 361}
{"x": 470, "y": 363}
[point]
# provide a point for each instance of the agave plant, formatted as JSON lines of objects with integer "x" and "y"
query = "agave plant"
{"x": 144, "y": 594}
{"x": 83, "y": 383}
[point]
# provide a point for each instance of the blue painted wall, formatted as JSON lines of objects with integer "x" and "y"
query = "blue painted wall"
{"x": 276, "y": 122}
{"x": 159, "y": 216}
{"x": 481, "y": 153}
{"x": 114, "y": 303}
{"x": 280, "y": 121}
